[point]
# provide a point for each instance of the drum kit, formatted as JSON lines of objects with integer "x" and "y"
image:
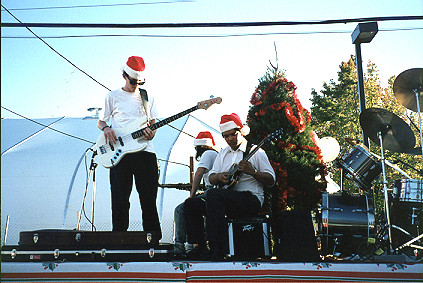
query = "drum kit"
{"x": 347, "y": 223}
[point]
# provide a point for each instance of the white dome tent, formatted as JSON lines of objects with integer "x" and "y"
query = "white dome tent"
{"x": 45, "y": 174}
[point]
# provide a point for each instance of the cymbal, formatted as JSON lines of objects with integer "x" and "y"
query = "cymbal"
{"x": 397, "y": 136}
{"x": 405, "y": 86}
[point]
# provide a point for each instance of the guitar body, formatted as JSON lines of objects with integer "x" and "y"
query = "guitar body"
{"x": 111, "y": 155}
{"x": 233, "y": 177}
{"x": 234, "y": 170}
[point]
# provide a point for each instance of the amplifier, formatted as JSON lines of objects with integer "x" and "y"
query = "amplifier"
{"x": 248, "y": 238}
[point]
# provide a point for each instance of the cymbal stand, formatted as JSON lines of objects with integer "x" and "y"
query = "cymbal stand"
{"x": 417, "y": 93}
{"x": 385, "y": 190}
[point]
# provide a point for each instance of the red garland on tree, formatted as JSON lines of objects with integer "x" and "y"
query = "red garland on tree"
{"x": 296, "y": 158}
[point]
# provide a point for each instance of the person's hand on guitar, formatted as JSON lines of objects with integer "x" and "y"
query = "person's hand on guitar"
{"x": 246, "y": 167}
{"x": 109, "y": 135}
{"x": 222, "y": 178}
{"x": 148, "y": 134}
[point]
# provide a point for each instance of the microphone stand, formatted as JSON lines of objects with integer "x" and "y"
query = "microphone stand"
{"x": 93, "y": 167}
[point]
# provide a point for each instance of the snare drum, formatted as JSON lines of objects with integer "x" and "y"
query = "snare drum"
{"x": 408, "y": 190}
{"x": 361, "y": 167}
{"x": 345, "y": 214}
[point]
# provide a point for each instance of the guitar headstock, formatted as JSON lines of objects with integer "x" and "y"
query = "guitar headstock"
{"x": 209, "y": 102}
{"x": 275, "y": 135}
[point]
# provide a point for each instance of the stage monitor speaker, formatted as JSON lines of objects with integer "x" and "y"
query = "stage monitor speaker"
{"x": 248, "y": 238}
{"x": 295, "y": 237}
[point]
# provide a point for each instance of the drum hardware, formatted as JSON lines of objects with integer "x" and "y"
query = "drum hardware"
{"x": 407, "y": 85}
{"x": 410, "y": 242}
{"x": 414, "y": 215}
{"x": 392, "y": 133}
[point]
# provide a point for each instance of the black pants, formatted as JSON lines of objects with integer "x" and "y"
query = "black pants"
{"x": 219, "y": 203}
{"x": 141, "y": 166}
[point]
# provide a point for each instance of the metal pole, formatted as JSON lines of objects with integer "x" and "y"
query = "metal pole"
{"x": 93, "y": 200}
{"x": 360, "y": 84}
{"x": 6, "y": 229}
{"x": 385, "y": 191}
{"x": 191, "y": 169}
{"x": 420, "y": 118}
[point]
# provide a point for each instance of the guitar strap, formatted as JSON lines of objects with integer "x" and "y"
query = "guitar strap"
{"x": 145, "y": 103}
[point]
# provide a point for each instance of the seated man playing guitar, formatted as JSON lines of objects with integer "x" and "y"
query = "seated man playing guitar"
{"x": 236, "y": 193}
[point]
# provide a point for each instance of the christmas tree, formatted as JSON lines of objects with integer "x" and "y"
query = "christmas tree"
{"x": 295, "y": 157}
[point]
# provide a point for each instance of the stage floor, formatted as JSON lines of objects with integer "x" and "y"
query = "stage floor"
{"x": 182, "y": 271}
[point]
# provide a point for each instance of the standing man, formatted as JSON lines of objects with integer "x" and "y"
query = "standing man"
{"x": 122, "y": 107}
{"x": 245, "y": 199}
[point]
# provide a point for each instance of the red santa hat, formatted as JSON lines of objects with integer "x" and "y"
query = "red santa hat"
{"x": 232, "y": 121}
{"x": 204, "y": 138}
{"x": 134, "y": 67}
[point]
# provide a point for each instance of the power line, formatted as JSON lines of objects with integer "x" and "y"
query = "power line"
{"x": 46, "y": 126}
{"x": 98, "y": 6}
{"x": 201, "y": 36}
{"x": 196, "y": 25}
{"x": 67, "y": 60}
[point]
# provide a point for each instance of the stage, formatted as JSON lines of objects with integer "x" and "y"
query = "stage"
{"x": 181, "y": 271}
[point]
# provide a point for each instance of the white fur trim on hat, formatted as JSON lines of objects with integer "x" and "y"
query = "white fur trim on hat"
{"x": 228, "y": 126}
{"x": 134, "y": 67}
{"x": 206, "y": 142}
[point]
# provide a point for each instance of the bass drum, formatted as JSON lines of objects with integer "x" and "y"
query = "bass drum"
{"x": 346, "y": 221}
{"x": 361, "y": 167}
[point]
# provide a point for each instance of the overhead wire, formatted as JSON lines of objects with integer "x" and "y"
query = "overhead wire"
{"x": 98, "y": 6}
{"x": 212, "y": 25}
{"x": 203, "y": 36}
{"x": 55, "y": 51}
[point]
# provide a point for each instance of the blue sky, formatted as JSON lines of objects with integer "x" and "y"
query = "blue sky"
{"x": 37, "y": 83}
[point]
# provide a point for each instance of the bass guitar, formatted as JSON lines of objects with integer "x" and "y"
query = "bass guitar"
{"x": 129, "y": 139}
{"x": 234, "y": 170}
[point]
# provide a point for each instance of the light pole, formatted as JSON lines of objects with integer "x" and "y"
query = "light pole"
{"x": 363, "y": 33}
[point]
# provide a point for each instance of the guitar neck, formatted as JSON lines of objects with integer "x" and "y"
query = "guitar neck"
{"x": 254, "y": 150}
{"x": 234, "y": 169}
{"x": 139, "y": 133}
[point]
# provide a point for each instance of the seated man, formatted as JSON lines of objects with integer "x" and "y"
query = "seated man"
{"x": 206, "y": 154}
{"x": 242, "y": 200}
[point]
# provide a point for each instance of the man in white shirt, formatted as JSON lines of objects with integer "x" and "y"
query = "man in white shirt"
{"x": 245, "y": 198}
{"x": 122, "y": 107}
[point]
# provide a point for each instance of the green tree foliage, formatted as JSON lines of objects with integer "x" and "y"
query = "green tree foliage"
{"x": 295, "y": 156}
{"x": 336, "y": 114}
